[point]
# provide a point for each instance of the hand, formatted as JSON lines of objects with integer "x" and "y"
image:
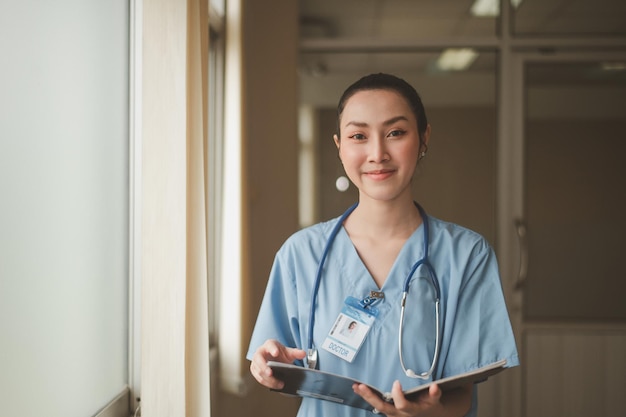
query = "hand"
{"x": 431, "y": 403}
{"x": 272, "y": 350}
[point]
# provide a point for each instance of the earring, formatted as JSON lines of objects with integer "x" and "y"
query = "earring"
{"x": 424, "y": 148}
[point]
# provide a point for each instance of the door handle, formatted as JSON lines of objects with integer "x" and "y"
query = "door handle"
{"x": 522, "y": 273}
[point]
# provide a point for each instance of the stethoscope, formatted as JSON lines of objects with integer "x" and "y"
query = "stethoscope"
{"x": 312, "y": 351}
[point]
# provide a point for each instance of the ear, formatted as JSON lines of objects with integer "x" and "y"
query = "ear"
{"x": 336, "y": 139}
{"x": 426, "y": 138}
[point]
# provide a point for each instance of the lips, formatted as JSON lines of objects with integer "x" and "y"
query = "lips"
{"x": 379, "y": 174}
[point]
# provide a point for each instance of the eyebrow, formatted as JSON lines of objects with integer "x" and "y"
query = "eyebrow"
{"x": 385, "y": 123}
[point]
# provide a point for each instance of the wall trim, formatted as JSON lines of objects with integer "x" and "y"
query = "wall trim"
{"x": 135, "y": 201}
{"x": 118, "y": 407}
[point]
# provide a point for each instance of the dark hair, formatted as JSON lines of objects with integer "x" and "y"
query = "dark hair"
{"x": 383, "y": 81}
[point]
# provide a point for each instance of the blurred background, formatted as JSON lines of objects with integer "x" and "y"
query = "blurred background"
{"x": 526, "y": 105}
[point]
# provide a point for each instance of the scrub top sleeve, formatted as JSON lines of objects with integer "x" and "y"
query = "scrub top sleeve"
{"x": 481, "y": 332}
{"x": 278, "y": 315}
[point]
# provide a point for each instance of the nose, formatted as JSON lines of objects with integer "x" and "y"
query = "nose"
{"x": 378, "y": 150}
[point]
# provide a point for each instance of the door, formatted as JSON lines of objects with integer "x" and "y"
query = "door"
{"x": 564, "y": 199}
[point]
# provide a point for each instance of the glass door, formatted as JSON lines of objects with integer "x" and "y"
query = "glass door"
{"x": 567, "y": 208}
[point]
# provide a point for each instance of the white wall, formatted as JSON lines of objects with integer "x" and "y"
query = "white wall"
{"x": 63, "y": 206}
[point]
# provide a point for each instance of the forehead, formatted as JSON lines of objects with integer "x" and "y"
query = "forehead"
{"x": 377, "y": 99}
{"x": 378, "y": 103}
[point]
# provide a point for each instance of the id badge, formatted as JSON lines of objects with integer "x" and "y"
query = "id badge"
{"x": 350, "y": 329}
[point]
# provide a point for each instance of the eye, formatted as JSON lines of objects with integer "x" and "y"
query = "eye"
{"x": 357, "y": 136}
{"x": 397, "y": 132}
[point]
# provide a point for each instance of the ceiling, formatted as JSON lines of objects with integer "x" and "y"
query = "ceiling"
{"x": 390, "y": 19}
{"x": 343, "y": 39}
{"x": 421, "y": 19}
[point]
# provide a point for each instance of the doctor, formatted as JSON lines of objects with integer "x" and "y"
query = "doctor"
{"x": 360, "y": 266}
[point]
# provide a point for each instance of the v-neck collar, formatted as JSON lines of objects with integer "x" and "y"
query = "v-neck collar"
{"x": 354, "y": 269}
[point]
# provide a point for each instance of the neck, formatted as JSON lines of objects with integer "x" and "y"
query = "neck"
{"x": 384, "y": 219}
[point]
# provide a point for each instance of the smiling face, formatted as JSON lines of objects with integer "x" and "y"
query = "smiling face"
{"x": 380, "y": 144}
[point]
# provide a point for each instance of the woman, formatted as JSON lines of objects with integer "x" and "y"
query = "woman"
{"x": 373, "y": 259}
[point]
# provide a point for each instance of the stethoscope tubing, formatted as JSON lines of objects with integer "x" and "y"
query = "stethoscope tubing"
{"x": 312, "y": 353}
{"x": 320, "y": 268}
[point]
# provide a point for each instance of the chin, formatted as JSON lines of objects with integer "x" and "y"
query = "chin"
{"x": 380, "y": 197}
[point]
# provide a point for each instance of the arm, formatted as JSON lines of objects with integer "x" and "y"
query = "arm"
{"x": 274, "y": 351}
{"x": 453, "y": 403}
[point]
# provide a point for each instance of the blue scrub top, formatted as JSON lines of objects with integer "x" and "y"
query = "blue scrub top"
{"x": 474, "y": 319}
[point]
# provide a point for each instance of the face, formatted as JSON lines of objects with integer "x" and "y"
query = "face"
{"x": 379, "y": 144}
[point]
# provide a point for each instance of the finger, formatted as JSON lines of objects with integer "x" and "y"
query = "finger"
{"x": 399, "y": 400}
{"x": 279, "y": 352}
{"x": 259, "y": 368}
{"x": 293, "y": 354}
{"x": 272, "y": 347}
{"x": 256, "y": 373}
{"x": 434, "y": 393}
{"x": 373, "y": 399}
{"x": 272, "y": 350}
{"x": 264, "y": 376}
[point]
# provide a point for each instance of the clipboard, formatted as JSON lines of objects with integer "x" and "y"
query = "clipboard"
{"x": 313, "y": 383}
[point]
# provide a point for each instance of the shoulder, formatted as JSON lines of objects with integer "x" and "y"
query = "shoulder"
{"x": 454, "y": 237}
{"x": 462, "y": 254}
{"x": 309, "y": 240}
